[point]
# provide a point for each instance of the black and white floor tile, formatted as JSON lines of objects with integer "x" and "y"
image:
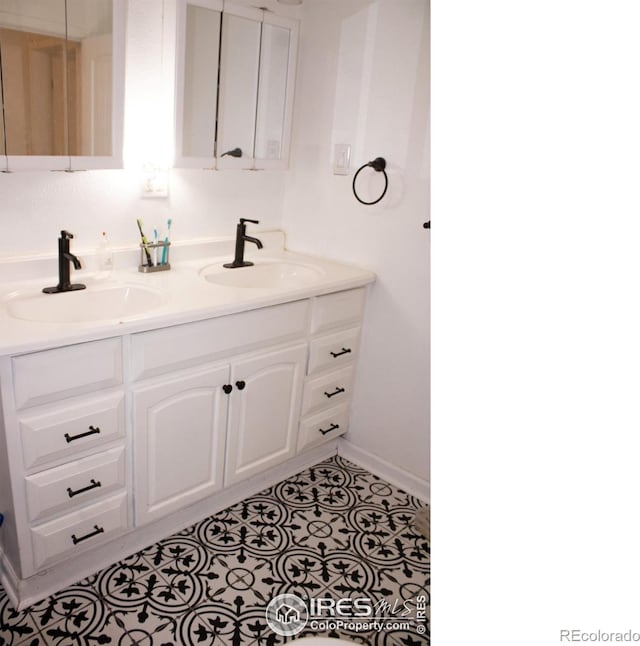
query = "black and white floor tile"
{"x": 334, "y": 531}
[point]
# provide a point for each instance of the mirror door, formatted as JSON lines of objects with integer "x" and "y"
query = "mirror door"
{"x": 235, "y": 76}
{"x": 275, "y": 92}
{"x": 33, "y": 56}
{"x": 239, "y": 73}
{"x": 198, "y": 25}
{"x": 62, "y": 80}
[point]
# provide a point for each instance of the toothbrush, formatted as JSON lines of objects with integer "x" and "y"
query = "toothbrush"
{"x": 166, "y": 243}
{"x": 145, "y": 242}
{"x": 155, "y": 248}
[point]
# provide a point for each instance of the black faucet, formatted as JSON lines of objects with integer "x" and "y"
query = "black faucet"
{"x": 64, "y": 270}
{"x": 241, "y": 238}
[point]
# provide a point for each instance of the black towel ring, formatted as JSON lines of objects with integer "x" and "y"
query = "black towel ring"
{"x": 378, "y": 164}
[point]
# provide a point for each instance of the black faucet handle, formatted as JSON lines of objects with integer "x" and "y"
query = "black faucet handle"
{"x": 243, "y": 220}
{"x": 65, "y": 235}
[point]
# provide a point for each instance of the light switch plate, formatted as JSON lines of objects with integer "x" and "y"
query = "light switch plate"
{"x": 341, "y": 159}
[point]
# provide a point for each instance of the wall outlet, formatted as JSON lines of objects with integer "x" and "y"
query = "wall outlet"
{"x": 155, "y": 182}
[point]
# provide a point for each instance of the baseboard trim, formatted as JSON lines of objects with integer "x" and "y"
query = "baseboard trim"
{"x": 9, "y": 579}
{"x": 385, "y": 470}
{"x": 25, "y": 592}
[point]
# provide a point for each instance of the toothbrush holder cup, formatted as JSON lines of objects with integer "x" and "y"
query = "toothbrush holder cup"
{"x": 154, "y": 256}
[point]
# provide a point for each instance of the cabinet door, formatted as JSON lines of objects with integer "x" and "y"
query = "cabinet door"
{"x": 179, "y": 441}
{"x": 264, "y": 411}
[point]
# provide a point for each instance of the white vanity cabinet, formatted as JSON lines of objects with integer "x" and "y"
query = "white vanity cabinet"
{"x": 249, "y": 402}
{"x": 136, "y": 436}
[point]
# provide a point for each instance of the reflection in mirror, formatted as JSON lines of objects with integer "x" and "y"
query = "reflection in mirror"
{"x": 32, "y": 41}
{"x": 200, "y": 82}
{"x": 274, "y": 62}
{"x": 90, "y": 74}
{"x": 56, "y": 74}
{"x": 239, "y": 56}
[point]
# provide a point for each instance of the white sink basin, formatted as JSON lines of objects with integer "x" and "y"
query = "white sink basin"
{"x": 265, "y": 274}
{"x": 96, "y": 303}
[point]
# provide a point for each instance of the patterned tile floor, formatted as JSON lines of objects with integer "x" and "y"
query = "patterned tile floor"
{"x": 333, "y": 531}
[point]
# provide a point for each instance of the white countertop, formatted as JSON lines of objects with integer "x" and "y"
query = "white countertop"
{"x": 186, "y": 295}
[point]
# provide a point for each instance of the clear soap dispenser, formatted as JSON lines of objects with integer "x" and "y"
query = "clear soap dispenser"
{"x": 104, "y": 256}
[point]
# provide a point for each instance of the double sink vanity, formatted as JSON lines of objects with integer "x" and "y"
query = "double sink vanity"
{"x": 145, "y": 402}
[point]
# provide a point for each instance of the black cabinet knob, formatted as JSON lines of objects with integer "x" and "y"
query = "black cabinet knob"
{"x": 227, "y": 388}
{"x": 240, "y": 385}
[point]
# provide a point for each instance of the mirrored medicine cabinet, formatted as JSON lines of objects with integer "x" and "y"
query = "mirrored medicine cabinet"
{"x": 62, "y": 83}
{"x": 235, "y": 75}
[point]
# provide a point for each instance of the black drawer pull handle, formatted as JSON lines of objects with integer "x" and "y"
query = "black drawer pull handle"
{"x": 333, "y": 427}
{"x": 96, "y": 530}
{"x": 91, "y": 431}
{"x": 339, "y": 354}
{"x": 240, "y": 385}
{"x": 93, "y": 485}
{"x": 337, "y": 391}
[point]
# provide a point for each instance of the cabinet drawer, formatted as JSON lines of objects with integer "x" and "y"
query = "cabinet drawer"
{"x": 187, "y": 345}
{"x": 52, "y": 375}
{"x": 78, "y": 531}
{"x": 336, "y": 310}
{"x": 75, "y": 484}
{"x": 329, "y": 390}
{"x": 61, "y": 433}
{"x": 333, "y": 350}
{"x": 324, "y": 426}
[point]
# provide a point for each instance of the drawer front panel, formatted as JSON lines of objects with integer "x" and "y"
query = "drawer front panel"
{"x": 77, "y": 483}
{"x": 52, "y": 375}
{"x": 59, "y": 434}
{"x": 336, "y": 310}
{"x": 191, "y": 344}
{"x": 333, "y": 350}
{"x": 324, "y": 426}
{"x": 78, "y": 531}
{"x": 327, "y": 391}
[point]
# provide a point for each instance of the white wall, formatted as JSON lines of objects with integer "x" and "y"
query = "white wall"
{"x": 35, "y": 205}
{"x": 363, "y": 79}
